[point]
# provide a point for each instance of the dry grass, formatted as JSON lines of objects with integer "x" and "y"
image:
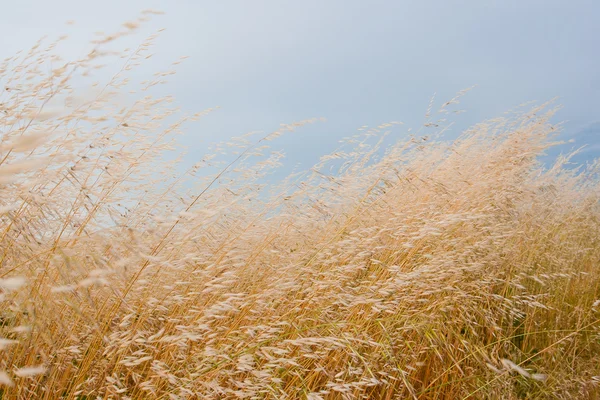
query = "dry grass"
{"x": 437, "y": 270}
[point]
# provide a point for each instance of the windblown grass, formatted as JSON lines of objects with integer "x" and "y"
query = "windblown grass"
{"x": 434, "y": 270}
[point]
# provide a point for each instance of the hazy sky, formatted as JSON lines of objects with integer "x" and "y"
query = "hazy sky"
{"x": 353, "y": 62}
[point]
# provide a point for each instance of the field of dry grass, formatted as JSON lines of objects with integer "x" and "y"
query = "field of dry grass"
{"x": 429, "y": 269}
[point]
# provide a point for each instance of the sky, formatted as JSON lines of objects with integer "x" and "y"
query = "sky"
{"x": 355, "y": 63}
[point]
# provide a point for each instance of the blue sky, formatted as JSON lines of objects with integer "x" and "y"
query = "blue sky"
{"x": 353, "y": 62}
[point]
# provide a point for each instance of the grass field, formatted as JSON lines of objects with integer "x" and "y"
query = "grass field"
{"x": 428, "y": 269}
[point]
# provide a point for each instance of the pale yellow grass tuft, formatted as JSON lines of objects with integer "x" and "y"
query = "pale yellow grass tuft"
{"x": 423, "y": 269}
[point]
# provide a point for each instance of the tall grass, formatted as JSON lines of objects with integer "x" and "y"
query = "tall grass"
{"x": 430, "y": 270}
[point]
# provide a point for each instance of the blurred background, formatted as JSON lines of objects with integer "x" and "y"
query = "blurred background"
{"x": 352, "y": 62}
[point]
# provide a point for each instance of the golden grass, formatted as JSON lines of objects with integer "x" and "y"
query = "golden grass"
{"x": 437, "y": 270}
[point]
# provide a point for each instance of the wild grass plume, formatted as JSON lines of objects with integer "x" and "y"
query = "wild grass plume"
{"x": 429, "y": 269}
